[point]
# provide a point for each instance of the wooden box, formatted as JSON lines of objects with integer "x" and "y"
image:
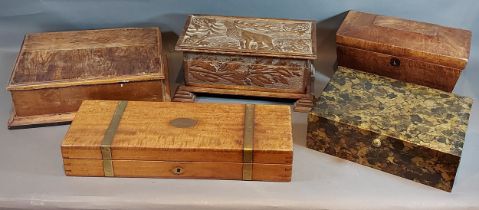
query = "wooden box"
{"x": 55, "y": 71}
{"x": 180, "y": 140}
{"x": 415, "y": 52}
{"x": 401, "y": 128}
{"x": 248, "y": 56}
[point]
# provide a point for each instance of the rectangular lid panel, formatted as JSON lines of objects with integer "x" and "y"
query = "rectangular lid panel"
{"x": 394, "y": 36}
{"x": 91, "y": 55}
{"x": 88, "y": 39}
{"x": 412, "y": 113}
{"x": 249, "y": 36}
{"x": 180, "y": 132}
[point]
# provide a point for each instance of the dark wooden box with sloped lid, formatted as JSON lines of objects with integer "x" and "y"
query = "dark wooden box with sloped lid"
{"x": 248, "y": 56}
{"x": 401, "y": 128}
{"x": 411, "y": 51}
{"x": 180, "y": 140}
{"x": 55, "y": 71}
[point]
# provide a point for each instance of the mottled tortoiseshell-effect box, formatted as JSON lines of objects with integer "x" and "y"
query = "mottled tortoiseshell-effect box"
{"x": 404, "y": 129}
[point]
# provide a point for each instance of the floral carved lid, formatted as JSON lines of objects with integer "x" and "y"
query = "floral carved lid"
{"x": 249, "y": 36}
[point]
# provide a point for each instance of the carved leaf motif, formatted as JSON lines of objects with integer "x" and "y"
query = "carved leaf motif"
{"x": 204, "y": 77}
{"x": 285, "y": 73}
{"x": 296, "y": 73}
{"x": 239, "y": 78}
{"x": 229, "y": 67}
{"x": 240, "y": 74}
{"x": 281, "y": 79}
{"x": 256, "y": 82}
{"x": 203, "y": 65}
{"x": 263, "y": 79}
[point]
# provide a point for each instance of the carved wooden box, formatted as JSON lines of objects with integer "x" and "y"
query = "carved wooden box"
{"x": 248, "y": 56}
{"x": 180, "y": 140}
{"x": 401, "y": 128}
{"x": 416, "y": 52}
{"x": 55, "y": 71}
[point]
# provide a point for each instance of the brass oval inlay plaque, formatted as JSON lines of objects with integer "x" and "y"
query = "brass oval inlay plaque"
{"x": 183, "y": 122}
{"x": 376, "y": 142}
{"x": 178, "y": 170}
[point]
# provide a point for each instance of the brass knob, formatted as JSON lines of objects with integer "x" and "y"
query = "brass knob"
{"x": 376, "y": 142}
{"x": 178, "y": 170}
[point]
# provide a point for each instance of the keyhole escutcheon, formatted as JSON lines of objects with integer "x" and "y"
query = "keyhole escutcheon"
{"x": 395, "y": 62}
{"x": 178, "y": 170}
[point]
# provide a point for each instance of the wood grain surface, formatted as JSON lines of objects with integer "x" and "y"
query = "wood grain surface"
{"x": 145, "y": 132}
{"x": 69, "y": 99}
{"x": 164, "y": 169}
{"x": 90, "y": 39}
{"x": 61, "y": 58}
{"x": 56, "y": 71}
{"x": 405, "y": 38}
{"x": 16, "y": 121}
{"x": 410, "y": 70}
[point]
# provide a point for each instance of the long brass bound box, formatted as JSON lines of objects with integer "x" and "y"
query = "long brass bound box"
{"x": 180, "y": 140}
{"x": 55, "y": 71}
{"x": 248, "y": 56}
{"x": 404, "y": 129}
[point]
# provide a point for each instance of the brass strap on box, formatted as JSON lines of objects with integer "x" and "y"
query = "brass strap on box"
{"x": 108, "y": 138}
{"x": 248, "y": 142}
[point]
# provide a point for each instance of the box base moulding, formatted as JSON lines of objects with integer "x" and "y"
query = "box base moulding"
{"x": 16, "y": 121}
{"x": 303, "y": 103}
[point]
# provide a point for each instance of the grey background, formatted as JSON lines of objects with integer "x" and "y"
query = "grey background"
{"x": 31, "y": 174}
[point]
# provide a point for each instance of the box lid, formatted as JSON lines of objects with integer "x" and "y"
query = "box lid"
{"x": 427, "y": 42}
{"x": 412, "y": 113}
{"x": 249, "y": 36}
{"x": 168, "y": 131}
{"x": 60, "y": 59}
